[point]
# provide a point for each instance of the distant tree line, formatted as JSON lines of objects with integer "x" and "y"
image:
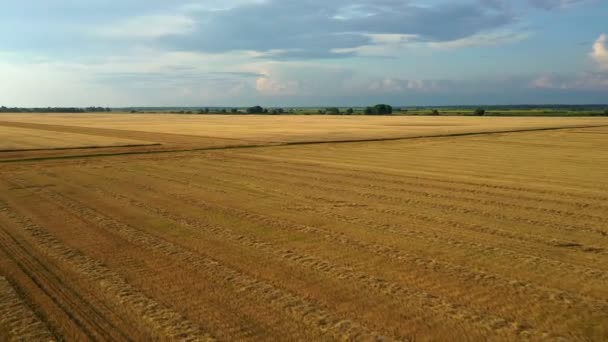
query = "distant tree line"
{"x": 4, "y": 109}
{"x": 379, "y": 109}
{"x": 261, "y": 110}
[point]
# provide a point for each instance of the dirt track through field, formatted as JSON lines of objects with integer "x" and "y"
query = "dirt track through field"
{"x": 74, "y": 136}
{"x": 499, "y": 237}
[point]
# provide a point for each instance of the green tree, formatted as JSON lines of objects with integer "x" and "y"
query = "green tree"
{"x": 255, "y": 110}
{"x": 480, "y": 112}
{"x": 350, "y": 111}
{"x": 384, "y": 109}
{"x": 434, "y": 112}
{"x": 332, "y": 110}
{"x": 379, "y": 109}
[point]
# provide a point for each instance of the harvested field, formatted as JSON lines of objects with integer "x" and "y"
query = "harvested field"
{"x": 480, "y": 237}
{"x": 17, "y": 321}
{"x": 298, "y": 128}
{"x": 23, "y": 139}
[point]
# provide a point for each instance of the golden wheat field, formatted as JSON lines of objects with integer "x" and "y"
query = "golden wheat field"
{"x": 294, "y": 128}
{"x": 222, "y": 231}
{"x": 23, "y": 139}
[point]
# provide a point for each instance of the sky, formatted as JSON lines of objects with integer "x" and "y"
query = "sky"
{"x": 302, "y": 52}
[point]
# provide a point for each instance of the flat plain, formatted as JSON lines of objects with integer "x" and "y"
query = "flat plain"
{"x": 493, "y": 236}
{"x": 295, "y": 128}
{"x": 24, "y": 139}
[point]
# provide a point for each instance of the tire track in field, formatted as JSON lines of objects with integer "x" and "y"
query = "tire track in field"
{"x": 86, "y": 318}
{"x": 236, "y": 324}
{"x": 240, "y": 330}
{"x": 434, "y": 237}
{"x": 559, "y": 298}
{"x": 425, "y": 203}
{"x": 18, "y": 319}
{"x": 422, "y": 299}
{"x": 155, "y": 317}
{"x": 246, "y": 285}
{"x": 178, "y": 146}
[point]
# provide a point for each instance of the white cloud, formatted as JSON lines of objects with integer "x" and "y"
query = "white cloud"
{"x": 599, "y": 52}
{"x": 46, "y": 84}
{"x": 543, "y": 82}
{"x": 398, "y": 44}
{"x": 593, "y": 81}
{"x": 387, "y": 85}
{"x": 136, "y": 77}
{"x": 267, "y": 85}
{"x": 482, "y": 39}
{"x": 149, "y": 27}
{"x": 382, "y": 45}
{"x": 392, "y": 85}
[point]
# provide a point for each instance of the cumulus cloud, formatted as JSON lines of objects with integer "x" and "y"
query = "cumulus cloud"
{"x": 593, "y": 81}
{"x": 315, "y": 28}
{"x": 599, "y": 52}
{"x": 268, "y": 86}
{"x": 297, "y": 29}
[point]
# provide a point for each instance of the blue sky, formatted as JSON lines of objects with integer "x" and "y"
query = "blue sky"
{"x": 302, "y": 53}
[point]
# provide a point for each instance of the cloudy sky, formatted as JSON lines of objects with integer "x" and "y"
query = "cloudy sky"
{"x": 302, "y": 52}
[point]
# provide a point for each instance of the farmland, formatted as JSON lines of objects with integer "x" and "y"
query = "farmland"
{"x": 303, "y": 228}
{"x": 286, "y": 128}
{"x": 23, "y": 139}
